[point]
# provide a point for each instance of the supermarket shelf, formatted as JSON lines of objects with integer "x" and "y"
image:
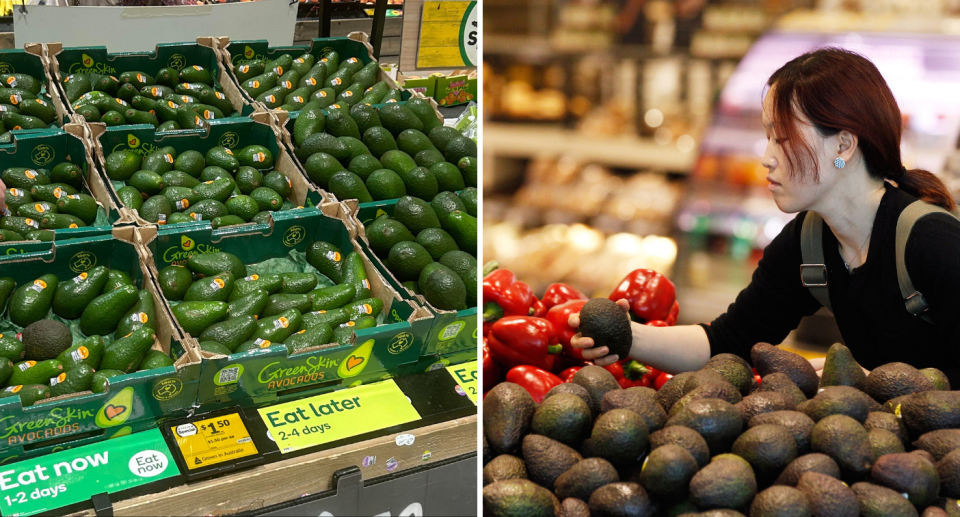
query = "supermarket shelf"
{"x": 527, "y": 141}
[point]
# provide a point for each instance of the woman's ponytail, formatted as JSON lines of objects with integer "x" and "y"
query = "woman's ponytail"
{"x": 924, "y": 185}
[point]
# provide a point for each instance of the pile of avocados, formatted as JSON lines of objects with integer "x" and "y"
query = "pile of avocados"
{"x": 714, "y": 442}
{"x": 174, "y": 99}
{"x": 223, "y": 187}
{"x": 24, "y": 104}
{"x": 40, "y": 201}
{"x": 228, "y": 308}
{"x": 294, "y": 84}
{"x": 116, "y": 319}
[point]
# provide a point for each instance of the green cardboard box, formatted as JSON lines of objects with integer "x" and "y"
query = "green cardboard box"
{"x": 454, "y": 90}
{"x": 132, "y": 402}
{"x": 426, "y": 86}
{"x": 271, "y": 374}
{"x": 46, "y": 149}
{"x": 232, "y": 133}
{"x": 30, "y": 61}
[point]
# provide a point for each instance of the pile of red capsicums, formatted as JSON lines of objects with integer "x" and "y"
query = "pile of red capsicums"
{"x": 526, "y": 340}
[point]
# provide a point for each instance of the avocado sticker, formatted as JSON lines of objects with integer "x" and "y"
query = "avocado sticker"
{"x": 355, "y": 363}
{"x": 116, "y": 411}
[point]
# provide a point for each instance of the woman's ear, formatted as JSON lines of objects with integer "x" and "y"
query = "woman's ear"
{"x": 846, "y": 144}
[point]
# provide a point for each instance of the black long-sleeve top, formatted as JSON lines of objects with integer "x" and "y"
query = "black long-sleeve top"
{"x": 867, "y": 303}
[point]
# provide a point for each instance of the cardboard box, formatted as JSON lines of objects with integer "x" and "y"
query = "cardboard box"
{"x": 232, "y": 133}
{"x": 425, "y": 86}
{"x": 234, "y": 54}
{"x": 270, "y": 375}
{"x": 143, "y": 398}
{"x": 66, "y": 61}
{"x": 32, "y": 61}
{"x": 456, "y": 89}
{"x": 45, "y": 150}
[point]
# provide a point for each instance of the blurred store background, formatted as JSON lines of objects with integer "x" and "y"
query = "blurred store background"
{"x": 622, "y": 134}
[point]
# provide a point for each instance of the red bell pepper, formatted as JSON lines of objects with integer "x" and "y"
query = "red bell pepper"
{"x": 492, "y": 375}
{"x": 559, "y": 315}
{"x": 504, "y": 296}
{"x": 661, "y": 380}
{"x": 650, "y": 378}
{"x": 567, "y": 375}
{"x": 628, "y": 372}
{"x": 523, "y": 340}
{"x": 756, "y": 376}
{"x": 538, "y": 309}
{"x": 651, "y": 295}
{"x": 560, "y": 293}
{"x": 537, "y": 382}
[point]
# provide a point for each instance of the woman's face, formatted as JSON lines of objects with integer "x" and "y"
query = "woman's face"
{"x": 798, "y": 191}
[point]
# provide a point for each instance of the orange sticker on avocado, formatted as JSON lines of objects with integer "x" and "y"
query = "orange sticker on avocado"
{"x": 141, "y": 78}
{"x": 26, "y": 365}
{"x": 58, "y": 379}
{"x": 252, "y": 277}
{"x": 220, "y": 284}
{"x": 30, "y": 174}
{"x": 311, "y": 81}
{"x": 270, "y": 98}
{"x": 323, "y": 93}
{"x": 14, "y": 192}
{"x": 58, "y": 192}
{"x": 40, "y": 283}
{"x": 259, "y": 157}
{"x": 14, "y": 389}
{"x": 143, "y": 317}
{"x": 288, "y": 85}
{"x": 39, "y": 207}
{"x": 73, "y": 225}
{"x": 281, "y": 322}
{"x": 336, "y": 81}
{"x": 82, "y": 276}
{"x": 255, "y": 84}
{"x": 228, "y": 151}
{"x": 80, "y": 353}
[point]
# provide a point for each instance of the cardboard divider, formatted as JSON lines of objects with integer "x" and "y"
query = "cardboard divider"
{"x": 132, "y": 402}
{"x": 270, "y": 374}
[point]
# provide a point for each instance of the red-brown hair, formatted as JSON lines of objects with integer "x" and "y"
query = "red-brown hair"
{"x": 838, "y": 90}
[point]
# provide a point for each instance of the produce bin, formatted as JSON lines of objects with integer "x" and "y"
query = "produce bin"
{"x": 45, "y": 149}
{"x": 32, "y": 60}
{"x": 66, "y": 61}
{"x": 132, "y": 402}
{"x": 356, "y": 45}
{"x": 230, "y": 133}
{"x": 271, "y": 374}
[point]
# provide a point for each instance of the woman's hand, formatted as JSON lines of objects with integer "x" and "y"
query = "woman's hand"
{"x": 598, "y": 355}
{"x": 3, "y": 194}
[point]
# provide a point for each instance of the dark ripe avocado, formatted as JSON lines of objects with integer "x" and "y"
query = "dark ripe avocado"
{"x": 939, "y": 443}
{"x": 769, "y": 449}
{"x": 487, "y": 451}
{"x": 582, "y": 479}
{"x": 504, "y": 467}
{"x": 949, "y": 470}
{"x": 716, "y": 420}
{"x": 570, "y": 389}
{"x": 878, "y": 501}
{"x": 841, "y": 369}
{"x": 636, "y": 400}
{"x": 895, "y": 380}
{"x": 908, "y": 474}
{"x": 781, "y": 383}
{"x": 780, "y": 501}
{"x": 799, "y": 425}
{"x": 763, "y": 402}
{"x": 838, "y": 400}
{"x": 597, "y": 381}
{"x": 846, "y": 441}
{"x": 619, "y": 436}
{"x": 937, "y": 378}
{"x": 925, "y": 455}
{"x": 608, "y": 325}
{"x": 507, "y": 414}
{"x": 828, "y": 495}
{"x": 519, "y": 497}
{"x": 724, "y": 483}
{"x": 702, "y": 377}
{"x": 571, "y": 507}
{"x": 621, "y": 500}
{"x": 672, "y": 390}
{"x": 769, "y": 359}
{"x": 565, "y": 418}
{"x": 884, "y": 442}
{"x": 684, "y": 437}
{"x": 931, "y": 410}
{"x": 667, "y": 472}
{"x": 734, "y": 372}
{"x": 890, "y": 422}
{"x": 45, "y": 339}
{"x": 546, "y": 459}
{"x": 711, "y": 390}
{"x": 815, "y": 462}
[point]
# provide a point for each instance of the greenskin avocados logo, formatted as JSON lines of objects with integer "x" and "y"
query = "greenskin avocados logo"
{"x": 83, "y": 261}
{"x": 57, "y": 422}
{"x": 293, "y": 236}
{"x": 229, "y": 140}
{"x": 247, "y": 56}
{"x": 177, "y": 61}
{"x": 134, "y": 144}
{"x": 87, "y": 65}
{"x": 7, "y": 68}
{"x": 42, "y": 155}
{"x": 188, "y": 248}
{"x": 276, "y": 376}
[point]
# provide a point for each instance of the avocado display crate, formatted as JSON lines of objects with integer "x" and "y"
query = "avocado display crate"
{"x": 237, "y": 53}
{"x": 453, "y": 331}
{"x": 96, "y": 60}
{"x": 46, "y": 149}
{"x": 32, "y": 60}
{"x": 272, "y": 374}
{"x": 132, "y": 402}
{"x": 233, "y": 134}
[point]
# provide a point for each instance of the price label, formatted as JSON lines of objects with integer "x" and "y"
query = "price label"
{"x": 214, "y": 440}
{"x": 466, "y": 376}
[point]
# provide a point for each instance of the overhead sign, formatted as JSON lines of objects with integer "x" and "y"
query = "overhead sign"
{"x": 449, "y": 33}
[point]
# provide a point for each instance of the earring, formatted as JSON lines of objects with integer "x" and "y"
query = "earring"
{"x": 839, "y": 163}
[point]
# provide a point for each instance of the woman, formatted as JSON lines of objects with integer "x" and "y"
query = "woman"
{"x": 833, "y": 148}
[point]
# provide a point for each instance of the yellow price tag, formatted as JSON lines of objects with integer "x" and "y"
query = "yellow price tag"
{"x": 466, "y": 376}
{"x": 338, "y": 415}
{"x": 214, "y": 440}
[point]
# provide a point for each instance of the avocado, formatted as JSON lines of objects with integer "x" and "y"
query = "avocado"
{"x": 35, "y": 372}
{"x": 102, "y": 316}
{"x": 892, "y": 423}
{"x": 515, "y": 497}
{"x": 877, "y": 501}
{"x": 507, "y": 416}
{"x": 143, "y": 314}
{"x": 763, "y": 402}
{"x": 11, "y": 348}
{"x": 939, "y": 443}
{"x": 582, "y": 479}
{"x": 608, "y": 325}
{"x": 724, "y": 483}
{"x": 799, "y": 425}
{"x": 379, "y": 141}
{"x": 87, "y": 351}
{"x": 249, "y": 305}
{"x": 815, "y": 462}
{"x": 327, "y": 259}
{"x": 31, "y": 302}
{"x": 684, "y": 437}
{"x": 441, "y": 287}
{"x": 907, "y": 474}
{"x": 504, "y": 467}
{"x": 734, "y": 372}
{"x": 195, "y": 317}
{"x": 841, "y": 369}
{"x": 635, "y": 400}
{"x": 667, "y": 472}
{"x": 895, "y": 380}
{"x": 121, "y": 165}
{"x": 210, "y": 264}
{"x": 672, "y": 390}
{"x": 884, "y": 442}
{"x": 29, "y": 394}
{"x": 232, "y": 332}
{"x": 769, "y": 359}
{"x": 278, "y": 328}
{"x": 6, "y": 370}
{"x": 781, "y": 501}
{"x": 156, "y": 210}
{"x": 838, "y": 400}
{"x": 244, "y": 286}
{"x": 214, "y": 348}
{"x": 126, "y": 353}
{"x": 309, "y": 337}
{"x": 597, "y": 381}
{"x": 280, "y": 303}
{"x": 72, "y": 381}
{"x": 298, "y": 283}
{"x": 546, "y": 459}
{"x": 355, "y": 274}
{"x": 710, "y": 390}
{"x": 415, "y": 214}
{"x": 846, "y": 441}
{"x": 716, "y": 420}
{"x": 930, "y": 410}
{"x": 782, "y": 384}
{"x": 568, "y": 388}
{"x": 174, "y": 282}
{"x": 948, "y": 468}
{"x": 620, "y": 436}
{"x": 332, "y": 297}
{"x": 214, "y": 288}
{"x": 45, "y": 339}
{"x": 769, "y": 449}
{"x": 397, "y": 118}
{"x": 564, "y": 418}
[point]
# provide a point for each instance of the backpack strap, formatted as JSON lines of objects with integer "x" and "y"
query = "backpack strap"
{"x": 915, "y": 303}
{"x": 813, "y": 270}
